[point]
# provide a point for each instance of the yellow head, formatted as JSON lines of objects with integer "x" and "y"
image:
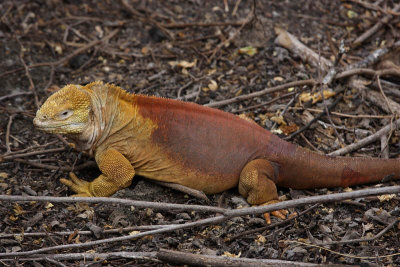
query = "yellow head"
{"x": 66, "y": 111}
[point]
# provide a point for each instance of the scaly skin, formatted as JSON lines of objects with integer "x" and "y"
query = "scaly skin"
{"x": 198, "y": 147}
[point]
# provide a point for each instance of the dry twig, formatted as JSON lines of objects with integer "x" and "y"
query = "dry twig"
{"x": 367, "y": 140}
{"x": 247, "y": 20}
{"x": 226, "y": 214}
{"x": 190, "y": 259}
{"x": 375, "y": 28}
{"x": 291, "y": 43}
{"x": 358, "y": 240}
{"x": 260, "y": 93}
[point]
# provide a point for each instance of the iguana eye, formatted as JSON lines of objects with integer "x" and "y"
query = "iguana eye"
{"x": 65, "y": 114}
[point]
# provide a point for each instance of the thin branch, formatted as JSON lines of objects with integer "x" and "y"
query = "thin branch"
{"x": 28, "y": 154}
{"x": 305, "y": 127}
{"x": 190, "y": 259}
{"x": 339, "y": 114}
{"x": 367, "y": 140}
{"x": 373, "y": 57}
{"x": 10, "y": 119}
{"x": 260, "y": 229}
{"x": 110, "y": 200}
{"x": 375, "y": 28}
{"x": 85, "y": 165}
{"x": 184, "y": 189}
{"x": 375, "y": 7}
{"x": 67, "y": 233}
{"x": 92, "y": 256}
{"x": 69, "y": 56}
{"x": 265, "y": 104}
{"x": 146, "y": 19}
{"x": 202, "y": 24}
{"x": 369, "y": 72}
{"x": 213, "y": 220}
{"x": 378, "y": 80}
{"x": 368, "y": 239}
{"x": 14, "y": 95}
{"x": 313, "y": 200}
{"x": 28, "y": 75}
{"x": 247, "y": 20}
{"x": 260, "y": 93}
{"x": 31, "y": 147}
{"x": 311, "y": 82}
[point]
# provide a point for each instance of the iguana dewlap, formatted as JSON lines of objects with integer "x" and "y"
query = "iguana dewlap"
{"x": 185, "y": 143}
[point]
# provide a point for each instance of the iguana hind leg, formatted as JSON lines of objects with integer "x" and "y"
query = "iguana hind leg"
{"x": 257, "y": 186}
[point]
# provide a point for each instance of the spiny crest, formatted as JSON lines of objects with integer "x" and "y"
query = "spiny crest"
{"x": 112, "y": 89}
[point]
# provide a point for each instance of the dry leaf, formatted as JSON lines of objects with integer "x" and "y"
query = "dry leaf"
{"x": 351, "y": 14}
{"x": 248, "y": 50}
{"x": 99, "y": 30}
{"x": 18, "y": 210}
{"x": 278, "y": 79}
{"x": 134, "y": 233}
{"x": 183, "y": 63}
{"x": 316, "y": 97}
{"x": 58, "y": 49}
{"x": 278, "y": 119}
{"x": 276, "y": 131}
{"x": 261, "y": 239}
{"x": 19, "y": 237}
{"x": 288, "y": 129}
{"x": 38, "y": 241}
{"x": 368, "y": 226}
{"x": 213, "y": 86}
{"x": 386, "y": 197}
{"x": 3, "y": 175}
{"x": 145, "y": 50}
{"x": 13, "y": 218}
{"x": 239, "y": 92}
{"x": 231, "y": 255}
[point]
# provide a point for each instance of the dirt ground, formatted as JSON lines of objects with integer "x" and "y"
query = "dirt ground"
{"x": 203, "y": 52}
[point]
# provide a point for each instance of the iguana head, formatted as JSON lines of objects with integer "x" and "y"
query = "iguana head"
{"x": 66, "y": 111}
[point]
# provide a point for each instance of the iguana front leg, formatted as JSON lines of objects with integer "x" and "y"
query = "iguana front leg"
{"x": 117, "y": 173}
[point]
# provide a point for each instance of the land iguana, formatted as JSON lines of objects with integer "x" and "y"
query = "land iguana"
{"x": 189, "y": 144}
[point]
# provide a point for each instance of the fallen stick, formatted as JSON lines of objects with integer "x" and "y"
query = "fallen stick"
{"x": 291, "y": 43}
{"x": 367, "y": 140}
{"x": 375, "y": 28}
{"x": 260, "y": 93}
{"x": 226, "y": 214}
{"x": 191, "y": 259}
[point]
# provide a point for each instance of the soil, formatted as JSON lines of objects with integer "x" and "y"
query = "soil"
{"x": 161, "y": 49}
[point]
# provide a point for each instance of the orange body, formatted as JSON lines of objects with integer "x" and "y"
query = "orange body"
{"x": 220, "y": 144}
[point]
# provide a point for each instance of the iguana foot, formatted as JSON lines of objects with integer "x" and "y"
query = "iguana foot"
{"x": 79, "y": 186}
{"x": 281, "y": 214}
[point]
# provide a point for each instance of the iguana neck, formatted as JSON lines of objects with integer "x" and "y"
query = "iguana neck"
{"x": 103, "y": 119}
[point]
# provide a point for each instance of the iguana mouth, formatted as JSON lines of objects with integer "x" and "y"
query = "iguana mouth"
{"x": 66, "y": 127}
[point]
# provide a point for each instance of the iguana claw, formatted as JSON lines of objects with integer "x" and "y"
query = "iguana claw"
{"x": 281, "y": 214}
{"x": 79, "y": 186}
